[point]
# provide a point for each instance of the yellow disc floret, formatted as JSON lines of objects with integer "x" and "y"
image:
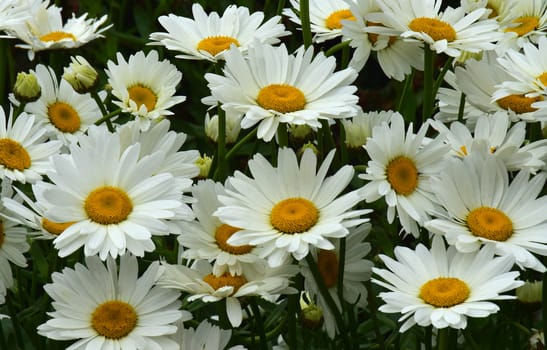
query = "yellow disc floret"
{"x": 224, "y": 280}
{"x": 281, "y": 98}
{"x": 216, "y": 44}
{"x": 223, "y": 233}
{"x": 108, "y": 205}
{"x": 444, "y": 292}
{"x": 13, "y": 155}
{"x": 334, "y": 20}
{"x": 114, "y": 319}
{"x": 64, "y": 117}
{"x": 143, "y": 95}
{"x": 402, "y": 175}
{"x": 436, "y": 29}
{"x": 490, "y": 223}
{"x": 294, "y": 215}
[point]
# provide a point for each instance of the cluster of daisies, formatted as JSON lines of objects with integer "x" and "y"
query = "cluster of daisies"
{"x": 102, "y": 174}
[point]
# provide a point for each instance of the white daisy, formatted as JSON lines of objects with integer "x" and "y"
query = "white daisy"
{"x": 483, "y": 208}
{"x": 144, "y": 86}
{"x": 104, "y": 308}
{"x": 450, "y": 31}
{"x": 287, "y": 209}
{"x": 271, "y": 87}
{"x": 256, "y": 280}
{"x": 493, "y": 134}
{"x": 400, "y": 169}
{"x": 522, "y": 21}
{"x": 13, "y": 13}
{"x": 45, "y": 30}
{"x": 24, "y": 149}
{"x": 326, "y": 17}
{"x": 357, "y": 270}
{"x": 115, "y": 200}
{"x": 207, "y": 237}
{"x": 395, "y": 56}
{"x": 207, "y": 37}
{"x": 443, "y": 287}
{"x": 63, "y": 112}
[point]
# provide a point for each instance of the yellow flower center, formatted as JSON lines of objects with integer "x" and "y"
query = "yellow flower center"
{"x": 143, "y": 95}
{"x": 333, "y": 21}
{"x": 525, "y": 25}
{"x": 222, "y": 234}
{"x": 444, "y": 292}
{"x": 281, "y": 98}
{"x": 402, "y": 175}
{"x": 216, "y": 44}
{"x": 224, "y": 280}
{"x": 543, "y": 78}
{"x": 57, "y": 36}
{"x": 490, "y": 223}
{"x": 108, "y": 205}
{"x": 55, "y": 228}
{"x": 13, "y": 156}
{"x": 518, "y": 103}
{"x": 294, "y": 215}
{"x": 327, "y": 262}
{"x": 373, "y": 37}
{"x": 114, "y": 319}
{"x": 64, "y": 117}
{"x": 436, "y": 29}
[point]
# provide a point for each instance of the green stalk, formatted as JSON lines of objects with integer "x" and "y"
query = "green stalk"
{"x": 223, "y": 320}
{"x": 461, "y": 107}
{"x": 108, "y": 116}
{"x": 220, "y": 171}
{"x": 335, "y": 48}
{"x": 329, "y": 300}
{"x": 305, "y": 20}
{"x": 292, "y": 308}
{"x": 406, "y": 88}
{"x": 282, "y": 135}
{"x": 259, "y": 323}
{"x": 428, "y": 97}
{"x": 440, "y": 77}
{"x": 372, "y": 308}
{"x": 250, "y": 136}
{"x": 341, "y": 268}
{"x": 443, "y": 338}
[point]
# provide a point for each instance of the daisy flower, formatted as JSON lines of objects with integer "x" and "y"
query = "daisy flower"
{"x": 205, "y": 336}
{"x": 207, "y": 237}
{"x": 256, "y": 280}
{"x": 13, "y": 13}
{"x": 103, "y": 308}
{"x": 493, "y": 134}
{"x": 357, "y": 270}
{"x": 144, "y": 86}
{"x": 359, "y": 128}
{"x": 400, "y": 169}
{"x": 326, "y": 17}
{"x": 207, "y": 37}
{"x": 450, "y": 31}
{"x": 288, "y": 209}
{"x": 271, "y": 87}
{"x": 443, "y": 287}
{"x": 63, "y": 112}
{"x": 395, "y": 56}
{"x": 24, "y": 149}
{"x": 522, "y": 21}
{"x": 114, "y": 199}
{"x": 45, "y": 30}
{"x": 481, "y": 207}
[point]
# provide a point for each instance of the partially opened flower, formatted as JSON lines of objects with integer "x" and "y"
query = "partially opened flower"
{"x": 46, "y": 30}
{"x": 481, "y": 207}
{"x": 144, "y": 86}
{"x": 443, "y": 287}
{"x": 271, "y": 86}
{"x": 207, "y": 37}
{"x": 103, "y": 308}
{"x": 289, "y": 209}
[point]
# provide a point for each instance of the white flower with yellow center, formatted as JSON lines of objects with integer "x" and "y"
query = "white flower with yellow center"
{"x": 443, "y": 287}
{"x": 115, "y": 200}
{"x": 400, "y": 169}
{"x": 45, "y": 30}
{"x": 395, "y": 56}
{"x": 356, "y": 270}
{"x": 450, "y": 31}
{"x": 207, "y": 37}
{"x": 105, "y": 308}
{"x": 63, "y": 112}
{"x": 256, "y": 280}
{"x": 522, "y": 21}
{"x": 481, "y": 207}
{"x": 326, "y": 17}
{"x": 478, "y": 80}
{"x": 24, "y": 149}
{"x": 288, "y": 209}
{"x": 493, "y": 134}
{"x": 13, "y": 239}
{"x": 207, "y": 237}
{"x": 270, "y": 87}
{"x": 144, "y": 86}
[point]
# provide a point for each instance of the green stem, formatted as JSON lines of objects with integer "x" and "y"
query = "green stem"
{"x": 461, "y": 107}
{"x": 108, "y": 116}
{"x": 305, "y": 20}
{"x": 341, "y": 268}
{"x": 292, "y": 308}
{"x": 328, "y": 137}
{"x": 428, "y": 338}
{"x": 440, "y": 77}
{"x": 372, "y": 308}
{"x": 329, "y": 300}
{"x": 280, "y": 7}
{"x": 443, "y": 338}
{"x": 282, "y": 135}
{"x": 220, "y": 171}
{"x": 259, "y": 323}
{"x": 427, "y": 99}
{"x": 245, "y": 139}
{"x": 335, "y": 48}
{"x": 223, "y": 320}
{"x": 406, "y": 88}
{"x": 15, "y": 321}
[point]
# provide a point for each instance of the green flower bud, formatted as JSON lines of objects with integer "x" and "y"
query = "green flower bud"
{"x": 81, "y": 75}
{"x": 27, "y": 89}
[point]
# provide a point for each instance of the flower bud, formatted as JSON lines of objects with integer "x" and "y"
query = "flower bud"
{"x": 81, "y": 75}
{"x": 27, "y": 89}
{"x": 233, "y": 127}
{"x": 204, "y": 164}
{"x": 530, "y": 292}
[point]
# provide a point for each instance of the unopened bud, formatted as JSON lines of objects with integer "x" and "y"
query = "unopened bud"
{"x": 204, "y": 165}
{"x": 233, "y": 127}
{"x": 530, "y": 292}
{"x": 27, "y": 89}
{"x": 81, "y": 75}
